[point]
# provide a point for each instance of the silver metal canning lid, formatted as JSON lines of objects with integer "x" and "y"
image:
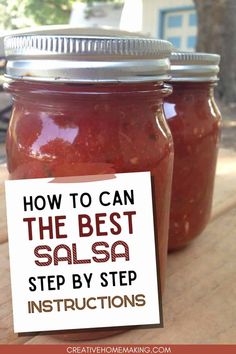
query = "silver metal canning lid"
{"x": 196, "y": 67}
{"x": 87, "y": 59}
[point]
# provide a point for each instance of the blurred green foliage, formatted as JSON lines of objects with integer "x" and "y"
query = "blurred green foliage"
{"x": 47, "y": 12}
{"x": 24, "y": 13}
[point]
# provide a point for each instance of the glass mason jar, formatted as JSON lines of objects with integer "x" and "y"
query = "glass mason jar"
{"x": 194, "y": 121}
{"x": 86, "y": 105}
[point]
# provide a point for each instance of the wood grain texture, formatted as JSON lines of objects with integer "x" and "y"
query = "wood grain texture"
{"x": 6, "y": 325}
{"x": 3, "y": 231}
{"x": 225, "y": 183}
{"x": 199, "y": 300}
{"x": 3, "y": 226}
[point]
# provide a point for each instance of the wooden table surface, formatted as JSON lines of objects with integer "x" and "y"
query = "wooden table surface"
{"x": 200, "y": 297}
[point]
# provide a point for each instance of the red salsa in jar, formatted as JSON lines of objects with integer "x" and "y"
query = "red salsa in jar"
{"x": 194, "y": 121}
{"x": 85, "y": 106}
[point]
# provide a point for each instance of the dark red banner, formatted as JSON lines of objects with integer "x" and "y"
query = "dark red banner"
{"x": 117, "y": 349}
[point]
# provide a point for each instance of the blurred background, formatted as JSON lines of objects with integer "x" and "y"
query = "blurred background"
{"x": 202, "y": 25}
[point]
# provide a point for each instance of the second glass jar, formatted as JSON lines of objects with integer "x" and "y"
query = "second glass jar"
{"x": 194, "y": 121}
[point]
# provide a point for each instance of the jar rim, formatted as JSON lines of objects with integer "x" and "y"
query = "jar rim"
{"x": 88, "y": 58}
{"x": 194, "y": 67}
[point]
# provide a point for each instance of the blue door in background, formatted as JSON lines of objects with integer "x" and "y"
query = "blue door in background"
{"x": 179, "y": 26}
